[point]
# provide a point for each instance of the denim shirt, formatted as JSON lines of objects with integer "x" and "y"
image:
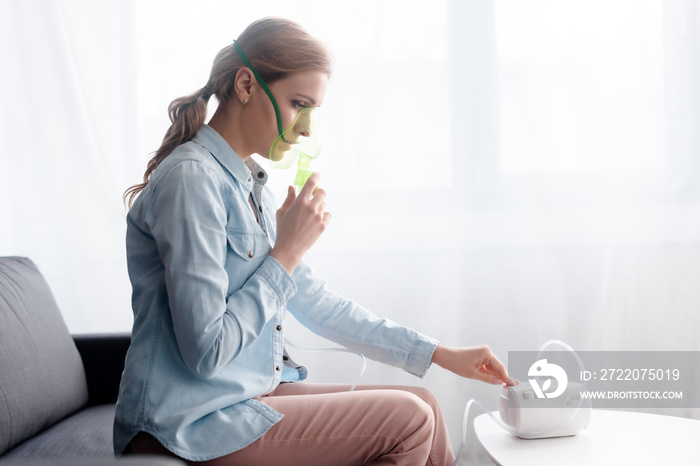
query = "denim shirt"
{"x": 209, "y": 304}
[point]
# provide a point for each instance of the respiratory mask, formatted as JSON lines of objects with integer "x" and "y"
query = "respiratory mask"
{"x": 300, "y": 141}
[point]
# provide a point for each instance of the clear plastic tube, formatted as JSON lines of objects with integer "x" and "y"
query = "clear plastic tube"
{"x": 338, "y": 350}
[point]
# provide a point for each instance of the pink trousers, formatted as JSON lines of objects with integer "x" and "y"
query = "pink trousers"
{"x": 328, "y": 425}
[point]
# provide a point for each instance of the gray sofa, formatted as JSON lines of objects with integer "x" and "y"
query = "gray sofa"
{"x": 57, "y": 391}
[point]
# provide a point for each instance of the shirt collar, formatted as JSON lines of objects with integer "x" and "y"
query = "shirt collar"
{"x": 259, "y": 175}
{"x": 247, "y": 173}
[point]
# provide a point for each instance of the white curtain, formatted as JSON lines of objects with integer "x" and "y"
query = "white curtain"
{"x": 502, "y": 172}
{"x": 67, "y": 150}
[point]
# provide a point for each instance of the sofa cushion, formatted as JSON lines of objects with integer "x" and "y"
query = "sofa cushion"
{"x": 41, "y": 374}
{"x": 86, "y": 434}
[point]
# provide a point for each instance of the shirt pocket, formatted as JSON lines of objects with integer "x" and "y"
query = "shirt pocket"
{"x": 246, "y": 252}
{"x": 246, "y": 245}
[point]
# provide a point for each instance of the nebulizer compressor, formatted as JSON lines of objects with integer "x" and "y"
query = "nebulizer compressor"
{"x": 528, "y": 413}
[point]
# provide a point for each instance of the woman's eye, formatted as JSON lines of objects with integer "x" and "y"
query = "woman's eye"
{"x": 299, "y": 105}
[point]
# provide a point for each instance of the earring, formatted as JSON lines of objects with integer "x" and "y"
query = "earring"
{"x": 245, "y": 101}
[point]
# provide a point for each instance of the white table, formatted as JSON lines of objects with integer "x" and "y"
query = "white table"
{"x": 612, "y": 437}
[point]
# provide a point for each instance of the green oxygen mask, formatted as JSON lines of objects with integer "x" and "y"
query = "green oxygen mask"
{"x": 301, "y": 141}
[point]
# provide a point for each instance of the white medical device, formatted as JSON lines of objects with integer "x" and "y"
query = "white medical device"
{"x": 529, "y": 411}
{"x": 531, "y": 417}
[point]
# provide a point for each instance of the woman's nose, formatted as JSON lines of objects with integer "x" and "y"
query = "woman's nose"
{"x": 303, "y": 125}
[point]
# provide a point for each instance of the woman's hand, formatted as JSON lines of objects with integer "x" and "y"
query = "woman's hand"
{"x": 300, "y": 222}
{"x": 476, "y": 362}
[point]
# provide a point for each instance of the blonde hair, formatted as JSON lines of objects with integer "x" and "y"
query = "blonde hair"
{"x": 275, "y": 47}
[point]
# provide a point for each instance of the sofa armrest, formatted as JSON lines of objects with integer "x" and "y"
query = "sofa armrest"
{"x": 103, "y": 359}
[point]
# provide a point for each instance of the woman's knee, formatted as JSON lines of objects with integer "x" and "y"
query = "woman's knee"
{"x": 418, "y": 412}
{"x": 425, "y": 395}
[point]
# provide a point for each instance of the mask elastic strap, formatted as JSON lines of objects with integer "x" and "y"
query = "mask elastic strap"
{"x": 263, "y": 85}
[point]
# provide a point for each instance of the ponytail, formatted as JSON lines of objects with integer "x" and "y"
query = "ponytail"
{"x": 187, "y": 115}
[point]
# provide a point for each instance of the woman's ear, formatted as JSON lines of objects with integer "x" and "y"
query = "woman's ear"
{"x": 244, "y": 84}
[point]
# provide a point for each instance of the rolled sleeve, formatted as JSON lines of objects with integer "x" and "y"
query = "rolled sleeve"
{"x": 278, "y": 279}
{"x": 419, "y": 358}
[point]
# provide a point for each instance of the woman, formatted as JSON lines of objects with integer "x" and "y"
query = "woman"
{"x": 213, "y": 272}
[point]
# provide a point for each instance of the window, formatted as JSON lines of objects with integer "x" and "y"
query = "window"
{"x": 581, "y": 85}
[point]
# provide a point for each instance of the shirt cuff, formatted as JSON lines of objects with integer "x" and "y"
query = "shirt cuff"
{"x": 419, "y": 359}
{"x": 279, "y": 280}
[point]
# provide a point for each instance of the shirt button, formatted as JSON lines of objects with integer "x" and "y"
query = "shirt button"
{"x": 278, "y": 368}
{"x": 250, "y": 254}
{"x": 279, "y": 328}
